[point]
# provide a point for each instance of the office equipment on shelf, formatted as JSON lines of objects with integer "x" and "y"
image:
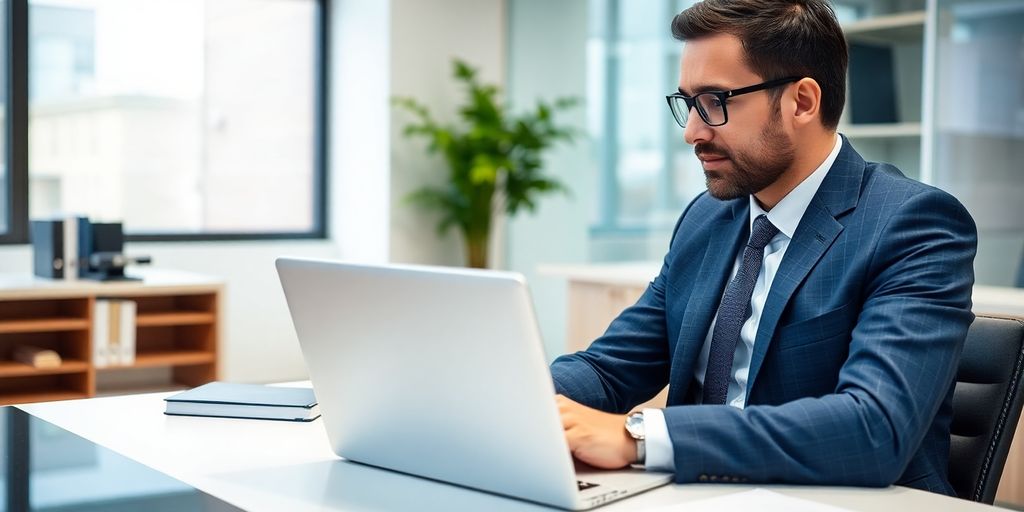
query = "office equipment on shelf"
{"x": 106, "y": 260}
{"x": 73, "y": 247}
{"x": 56, "y": 245}
{"x": 249, "y": 401}
{"x": 36, "y": 357}
{"x": 175, "y": 331}
{"x": 460, "y": 369}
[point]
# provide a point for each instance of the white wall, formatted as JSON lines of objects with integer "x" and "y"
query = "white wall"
{"x": 359, "y": 122}
{"x": 426, "y": 36}
{"x": 379, "y": 48}
{"x": 547, "y": 59}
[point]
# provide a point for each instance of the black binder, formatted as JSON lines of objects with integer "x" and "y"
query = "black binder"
{"x": 872, "y": 84}
{"x": 51, "y": 248}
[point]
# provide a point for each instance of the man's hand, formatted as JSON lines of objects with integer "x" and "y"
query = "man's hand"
{"x": 595, "y": 437}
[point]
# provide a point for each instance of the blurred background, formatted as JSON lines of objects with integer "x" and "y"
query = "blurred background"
{"x": 225, "y": 133}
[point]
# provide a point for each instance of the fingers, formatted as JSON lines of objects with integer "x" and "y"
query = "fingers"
{"x": 568, "y": 411}
{"x": 593, "y": 436}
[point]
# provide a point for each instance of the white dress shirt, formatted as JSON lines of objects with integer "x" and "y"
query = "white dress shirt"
{"x": 786, "y": 216}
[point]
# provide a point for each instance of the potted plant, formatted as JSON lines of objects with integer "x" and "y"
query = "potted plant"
{"x": 493, "y": 158}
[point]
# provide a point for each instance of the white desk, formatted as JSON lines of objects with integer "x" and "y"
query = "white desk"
{"x": 273, "y": 466}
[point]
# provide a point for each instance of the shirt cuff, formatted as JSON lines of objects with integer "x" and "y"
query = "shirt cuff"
{"x": 660, "y": 456}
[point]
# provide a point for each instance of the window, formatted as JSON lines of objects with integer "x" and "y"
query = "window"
{"x": 648, "y": 173}
{"x": 185, "y": 119}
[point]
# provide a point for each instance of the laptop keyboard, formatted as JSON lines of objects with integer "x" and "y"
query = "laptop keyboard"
{"x": 585, "y": 485}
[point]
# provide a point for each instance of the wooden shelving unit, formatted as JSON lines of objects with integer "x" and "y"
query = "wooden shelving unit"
{"x": 44, "y": 325}
{"x": 177, "y": 328}
{"x": 16, "y": 369}
{"x": 170, "y": 358}
{"x": 175, "y": 318}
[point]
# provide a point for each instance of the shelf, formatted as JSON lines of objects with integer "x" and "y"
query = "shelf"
{"x": 168, "y": 358}
{"x": 172, "y": 318}
{"x": 16, "y": 369}
{"x": 40, "y": 396}
{"x": 175, "y": 325}
{"x": 877, "y": 131}
{"x": 907, "y": 27}
{"x": 44, "y": 325}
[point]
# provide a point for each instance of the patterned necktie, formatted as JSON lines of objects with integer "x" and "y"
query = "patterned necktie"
{"x": 733, "y": 312}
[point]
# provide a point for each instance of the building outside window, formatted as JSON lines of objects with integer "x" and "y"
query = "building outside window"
{"x": 178, "y": 117}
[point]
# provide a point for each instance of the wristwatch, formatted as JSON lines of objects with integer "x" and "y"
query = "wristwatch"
{"x": 635, "y": 428}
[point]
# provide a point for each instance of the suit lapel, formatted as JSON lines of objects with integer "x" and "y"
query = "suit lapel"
{"x": 727, "y": 235}
{"x": 818, "y": 228}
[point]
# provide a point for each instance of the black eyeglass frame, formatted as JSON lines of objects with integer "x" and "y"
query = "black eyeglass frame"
{"x": 691, "y": 101}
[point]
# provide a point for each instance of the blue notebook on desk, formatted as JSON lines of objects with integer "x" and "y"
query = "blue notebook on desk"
{"x": 253, "y": 401}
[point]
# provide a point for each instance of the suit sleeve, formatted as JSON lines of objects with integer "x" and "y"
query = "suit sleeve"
{"x": 629, "y": 364}
{"x": 901, "y": 363}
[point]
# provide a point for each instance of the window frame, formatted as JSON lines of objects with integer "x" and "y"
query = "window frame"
{"x": 16, "y": 46}
{"x": 609, "y": 221}
{"x": 16, "y": 120}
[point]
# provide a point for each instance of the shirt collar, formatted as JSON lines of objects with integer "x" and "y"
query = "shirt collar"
{"x": 787, "y": 214}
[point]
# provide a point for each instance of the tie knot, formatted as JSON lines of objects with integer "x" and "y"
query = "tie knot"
{"x": 762, "y": 232}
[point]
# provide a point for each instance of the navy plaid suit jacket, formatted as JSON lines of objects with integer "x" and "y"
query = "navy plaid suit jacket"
{"x": 851, "y": 379}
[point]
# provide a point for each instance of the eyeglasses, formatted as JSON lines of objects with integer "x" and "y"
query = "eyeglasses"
{"x": 711, "y": 104}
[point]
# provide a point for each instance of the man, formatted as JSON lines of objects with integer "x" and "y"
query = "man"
{"x": 810, "y": 312}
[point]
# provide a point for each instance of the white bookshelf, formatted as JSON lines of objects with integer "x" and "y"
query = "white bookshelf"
{"x": 881, "y": 130}
{"x": 888, "y": 28}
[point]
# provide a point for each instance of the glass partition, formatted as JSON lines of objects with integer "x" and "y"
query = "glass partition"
{"x": 978, "y": 130}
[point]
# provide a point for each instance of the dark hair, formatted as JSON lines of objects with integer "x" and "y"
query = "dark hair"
{"x": 780, "y": 38}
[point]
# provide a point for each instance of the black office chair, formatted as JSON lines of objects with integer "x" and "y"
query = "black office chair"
{"x": 987, "y": 403}
{"x": 1020, "y": 273}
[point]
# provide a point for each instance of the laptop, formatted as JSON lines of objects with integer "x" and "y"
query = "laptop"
{"x": 440, "y": 373}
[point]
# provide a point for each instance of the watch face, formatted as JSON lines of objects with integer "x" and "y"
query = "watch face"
{"x": 635, "y": 425}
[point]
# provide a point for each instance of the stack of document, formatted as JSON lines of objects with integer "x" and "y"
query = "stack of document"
{"x": 225, "y": 400}
{"x": 113, "y": 333}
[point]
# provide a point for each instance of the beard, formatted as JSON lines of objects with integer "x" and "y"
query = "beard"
{"x": 753, "y": 169}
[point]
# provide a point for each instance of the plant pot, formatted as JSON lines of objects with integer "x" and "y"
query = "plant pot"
{"x": 476, "y": 252}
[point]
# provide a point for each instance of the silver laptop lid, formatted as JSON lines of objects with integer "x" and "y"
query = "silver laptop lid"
{"x": 437, "y": 372}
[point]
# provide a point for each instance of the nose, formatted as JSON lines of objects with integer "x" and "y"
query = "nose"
{"x": 696, "y": 129}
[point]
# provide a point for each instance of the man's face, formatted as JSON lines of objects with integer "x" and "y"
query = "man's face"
{"x": 752, "y": 149}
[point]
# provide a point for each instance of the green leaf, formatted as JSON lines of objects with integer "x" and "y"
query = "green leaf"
{"x": 483, "y": 171}
{"x": 487, "y": 146}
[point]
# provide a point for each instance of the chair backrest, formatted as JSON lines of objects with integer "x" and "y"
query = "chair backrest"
{"x": 1020, "y": 273}
{"x": 987, "y": 403}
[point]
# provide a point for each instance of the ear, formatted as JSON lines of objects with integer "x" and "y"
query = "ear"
{"x": 807, "y": 94}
